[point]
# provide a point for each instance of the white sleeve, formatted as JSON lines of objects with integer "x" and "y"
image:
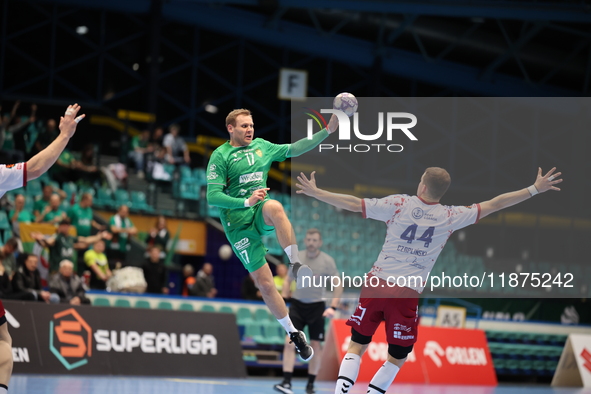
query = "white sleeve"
{"x": 465, "y": 216}
{"x": 382, "y": 209}
{"x": 12, "y": 176}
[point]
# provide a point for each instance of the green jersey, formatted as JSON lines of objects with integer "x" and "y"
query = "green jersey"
{"x": 51, "y": 215}
{"x": 24, "y": 216}
{"x": 81, "y": 219}
{"x": 242, "y": 170}
{"x": 120, "y": 240}
{"x": 40, "y": 205}
{"x": 62, "y": 249}
{"x": 138, "y": 142}
{"x": 66, "y": 158}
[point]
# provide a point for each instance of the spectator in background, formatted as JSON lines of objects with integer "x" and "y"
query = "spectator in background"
{"x": 155, "y": 273}
{"x": 7, "y": 256}
{"x": 122, "y": 228}
{"x": 87, "y": 167}
{"x": 159, "y": 235}
{"x": 42, "y": 202}
{"x": 19, "y": 215}
{"x": 67, "y": 285}
{"x": 157, "y": 138}
{"x": 96, "y": 260}
{"x": 280, "y": 277}
{"x": 27, "y": 279}
{"x": 21, "y": 129}
{"x": 188, "y": 280}
{"x": 45, "y": 137}
{"x": 7, "y": 157}
{"x": 205, "y": 283}
{"x": 61, "y": 245}
{"x": 12, "y": 129}
{"x": 82, "y": 218}
{"x": 155, "y": 166}
{"x": 176, "y": 149}
{"x": 52, "y": 213}
{"x": 249, "y": 290}
{"x": 140, "y": 145}
{"x": 64, "y": 168}
{"x": 6, "y": 288}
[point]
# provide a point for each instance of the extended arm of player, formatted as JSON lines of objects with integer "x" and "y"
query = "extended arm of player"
{"x": 542, "y": 184}
{"x": 343, "y": 201}
{"x": 41, "y": 162}
{"x": 305, "y": 145}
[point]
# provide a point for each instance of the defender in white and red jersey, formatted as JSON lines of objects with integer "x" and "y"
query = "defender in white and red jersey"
{"x": 13, "y": 176}
{"x": 417, "y": 229}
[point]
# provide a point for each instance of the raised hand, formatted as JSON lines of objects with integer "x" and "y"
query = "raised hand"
{"x": 333, "y": 124}
{"x": 257, "y": 195}
{"x": 69, "y": 121}
{"x": 307, "y": 186}
{"x": 546, "y": 182}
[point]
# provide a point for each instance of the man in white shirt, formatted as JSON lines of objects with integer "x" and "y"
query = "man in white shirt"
{"x": 417, "y": 229}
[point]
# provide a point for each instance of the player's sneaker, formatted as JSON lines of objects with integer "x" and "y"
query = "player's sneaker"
{"x": 310, "y": 389}
{"x": 283, "y": 387}
{"x": 301, "y": 271}
{"x": 305, "y": 351}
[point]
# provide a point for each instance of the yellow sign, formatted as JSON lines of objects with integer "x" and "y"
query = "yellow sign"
{"x": 136, "y": 116}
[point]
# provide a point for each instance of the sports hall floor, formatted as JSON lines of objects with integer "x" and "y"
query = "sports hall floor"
{"x": 45, "y": 384}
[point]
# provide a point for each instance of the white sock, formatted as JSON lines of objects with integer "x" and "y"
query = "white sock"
{"x": 347, "y": 373}
{"x": 383, "y": 378}
{"x": 3, "y": 390}
{"x": 292, "y": 253}
{"x": 286, "y": 323}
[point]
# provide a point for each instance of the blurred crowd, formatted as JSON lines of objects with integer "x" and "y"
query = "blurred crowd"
{"x": 91, "y": 258}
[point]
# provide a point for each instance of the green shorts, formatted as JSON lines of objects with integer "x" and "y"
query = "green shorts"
{"x": 246, "y": 239}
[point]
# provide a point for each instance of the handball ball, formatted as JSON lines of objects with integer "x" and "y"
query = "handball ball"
{"x": 225, "y": 252}
{"x": 345, "y": 102}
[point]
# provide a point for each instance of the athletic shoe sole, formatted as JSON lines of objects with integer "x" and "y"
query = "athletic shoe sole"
{"x": 282, "y": 389}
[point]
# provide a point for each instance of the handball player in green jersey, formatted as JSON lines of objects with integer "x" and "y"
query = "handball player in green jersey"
{"x": 237, "y": 184}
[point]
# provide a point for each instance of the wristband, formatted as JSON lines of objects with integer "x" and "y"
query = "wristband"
{"x": 332, "y": 307}
{"x": 532, "y": 190}
{"x": 246, "y": 203}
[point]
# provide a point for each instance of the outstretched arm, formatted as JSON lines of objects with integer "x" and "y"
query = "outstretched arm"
{"x": 41, "y": 162}
{"x": 542, "y": 184}
{"x": 305, "y": 145}
{"x": 343, "y": 201}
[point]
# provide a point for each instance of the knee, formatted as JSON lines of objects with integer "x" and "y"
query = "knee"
{"x": 274, "y": 208}
{"x": 265, "y": 284}
{"x": 399, "y": 352}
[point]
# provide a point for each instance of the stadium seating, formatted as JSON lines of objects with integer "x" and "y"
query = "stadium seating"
{"x": 142, "y": 304}
{"x": 122, "y": 303}
{"x": 186, "y": 307}
{"x": 164, "y": 305}
{"x": 104, "y": 199}
{"x": 99, "y": 301}
{"x": 139, "y": 202}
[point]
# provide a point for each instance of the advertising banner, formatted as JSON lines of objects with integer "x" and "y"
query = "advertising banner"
{"x": 574, "y": 367}
{"x": 440, "y": 355}
{"x": 85, "y": 340}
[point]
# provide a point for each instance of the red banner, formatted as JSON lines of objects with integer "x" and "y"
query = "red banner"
{"x": 441, "y": 355}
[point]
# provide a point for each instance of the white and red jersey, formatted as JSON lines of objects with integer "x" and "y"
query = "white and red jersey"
{"x": 416, "y": 234}
{"x": 12, "y": 176}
